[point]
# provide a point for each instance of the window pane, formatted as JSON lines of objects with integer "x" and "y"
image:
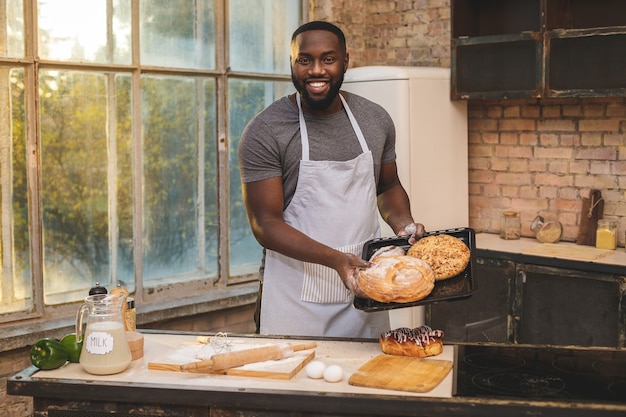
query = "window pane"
{"x": 77, "y": 30}
{"x": 177, "y": 33}
{"x": 245, "y": 99}
{"x": 260, "y": 34}
{"x": 78, "y": 176}
{"x": 12, "y": 29}
{"x": 16, "y": 288}
{"x": 174, "y": 134}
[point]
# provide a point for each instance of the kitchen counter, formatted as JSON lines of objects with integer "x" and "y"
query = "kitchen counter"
{"x": 568, "y": 255}
{"x": 148, "y": 392}
{"x": 527, "y": 292}
{"x": 179, "y": 349}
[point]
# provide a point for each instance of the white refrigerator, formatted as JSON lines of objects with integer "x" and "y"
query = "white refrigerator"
{"x": 431, "y": 147}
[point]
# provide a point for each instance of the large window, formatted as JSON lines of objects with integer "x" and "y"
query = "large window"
{"x": 119, "y": 126}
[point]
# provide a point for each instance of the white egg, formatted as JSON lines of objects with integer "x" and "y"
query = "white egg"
{"x": 333, "y": 373}
{"x": 315, "y": 369}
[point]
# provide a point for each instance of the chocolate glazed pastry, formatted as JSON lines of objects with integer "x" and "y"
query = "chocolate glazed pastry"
{"x": 419, "y": 342}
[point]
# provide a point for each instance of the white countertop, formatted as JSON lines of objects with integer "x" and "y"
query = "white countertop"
{"x": 350, "y": 355}
{"x": 491, "y": 241}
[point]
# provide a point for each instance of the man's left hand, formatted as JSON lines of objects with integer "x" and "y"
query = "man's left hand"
{"x": 414, "y": 230}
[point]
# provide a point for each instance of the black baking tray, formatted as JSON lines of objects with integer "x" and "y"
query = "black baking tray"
{"x": 456, "y": 288}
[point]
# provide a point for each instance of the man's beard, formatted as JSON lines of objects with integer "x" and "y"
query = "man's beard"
{"x": 321, "y": 104}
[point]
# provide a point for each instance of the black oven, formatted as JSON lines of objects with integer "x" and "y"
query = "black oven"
{"x": 542, "y": 373}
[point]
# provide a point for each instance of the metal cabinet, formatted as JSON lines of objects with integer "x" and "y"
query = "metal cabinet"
{"x": 558, "y": 306}
{"x": 517, "y": 301}
{"x": 537, "y": 48}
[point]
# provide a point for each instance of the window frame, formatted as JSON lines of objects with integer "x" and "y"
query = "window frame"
{"x": 167, "y": 300}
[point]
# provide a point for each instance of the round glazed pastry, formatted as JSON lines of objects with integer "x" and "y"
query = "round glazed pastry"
{"x": 419, "y": 342}
{"x": 399, "y": 279}
{"x": 447, "y": 255}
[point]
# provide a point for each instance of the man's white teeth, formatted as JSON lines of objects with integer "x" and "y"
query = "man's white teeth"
{"x": 317, "y": 85}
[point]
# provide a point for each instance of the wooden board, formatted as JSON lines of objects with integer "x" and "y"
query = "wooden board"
{"x": 592, "y": 210}
{"x": 401, "y": 373}
{"x": 584, "y": 253}
{"x": 284, "y": 368}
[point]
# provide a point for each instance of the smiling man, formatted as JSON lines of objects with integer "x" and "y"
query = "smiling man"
{"x": 316, "y": 166}
{"x": 318, "y": 63}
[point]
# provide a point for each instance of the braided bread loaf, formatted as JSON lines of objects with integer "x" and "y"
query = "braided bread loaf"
{"x": 419, "y": 342}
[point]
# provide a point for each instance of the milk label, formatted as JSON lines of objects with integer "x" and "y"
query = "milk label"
{"x": 99, "y": 343}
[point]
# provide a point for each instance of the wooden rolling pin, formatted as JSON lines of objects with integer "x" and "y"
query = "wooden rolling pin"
{"x": 233, "y": 359}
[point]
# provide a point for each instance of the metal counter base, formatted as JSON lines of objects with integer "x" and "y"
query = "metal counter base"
{"x": 173, "y": 403}
{"x": 69, "y": 392}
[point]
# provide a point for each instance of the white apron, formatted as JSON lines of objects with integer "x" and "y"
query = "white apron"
{"x": 335, "y": 204}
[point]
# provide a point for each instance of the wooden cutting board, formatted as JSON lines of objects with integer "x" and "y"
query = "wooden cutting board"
{"x": 401, "y": 373}
{"x": 280, "y": 369}
{"x": 585, "y": 253}
{"x": 592, "y": 210}
{"x": 284, "y": 368}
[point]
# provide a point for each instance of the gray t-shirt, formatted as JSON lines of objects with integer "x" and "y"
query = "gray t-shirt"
{"x": 270, "y": 144}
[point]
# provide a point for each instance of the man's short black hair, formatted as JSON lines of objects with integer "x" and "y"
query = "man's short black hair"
{"x": 321, "y": 25}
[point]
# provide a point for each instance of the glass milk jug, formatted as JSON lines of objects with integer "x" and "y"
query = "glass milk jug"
{"x": 105, "y": 348}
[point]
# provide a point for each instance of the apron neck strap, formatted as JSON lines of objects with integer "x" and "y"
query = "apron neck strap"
{"x": 304, "y": 134}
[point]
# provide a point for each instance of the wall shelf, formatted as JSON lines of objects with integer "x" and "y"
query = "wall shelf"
{"x": 537, "y": 48}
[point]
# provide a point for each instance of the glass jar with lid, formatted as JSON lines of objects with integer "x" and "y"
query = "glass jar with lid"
{"x": 606, "y": 234}
{"x": 546, "y": 231}
{"x": 510, "y": 225}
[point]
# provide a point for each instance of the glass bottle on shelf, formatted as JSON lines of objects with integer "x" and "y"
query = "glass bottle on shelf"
{"x": 510, "y": 225}
{"x": 606, "y": 234}
{"x": 546, "y": 231}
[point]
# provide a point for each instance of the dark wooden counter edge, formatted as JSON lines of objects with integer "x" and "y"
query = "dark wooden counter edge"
{"x": 344, "y": 404}
{"x": 554, "y": 262}
{"x": 297, "y": 401}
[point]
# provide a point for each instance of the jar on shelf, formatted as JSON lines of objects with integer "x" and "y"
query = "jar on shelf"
{"x": 510, "y": 225}
{"x": 606, "y": 234}
{"x": 546, "y": 231}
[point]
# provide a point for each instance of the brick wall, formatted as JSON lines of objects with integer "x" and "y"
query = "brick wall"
{"x": 536, "y": 156}
{"x": 543, "y": 157}
{"x": 11, "y": 363}
{"x": 381, "y": 32}
{"x": 234, "y": 320}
